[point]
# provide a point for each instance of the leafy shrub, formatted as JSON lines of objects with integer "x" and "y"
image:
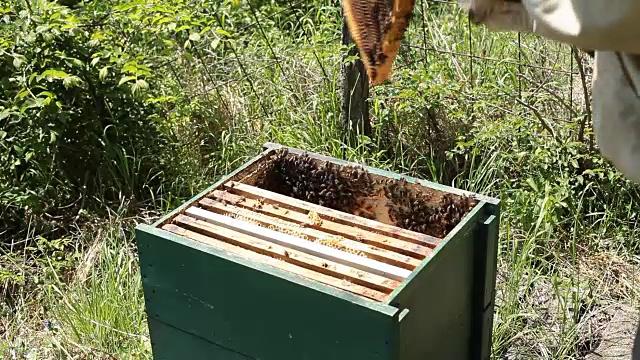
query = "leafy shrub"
{"x": 574, "y": 182}
{"x": 66, "y": 115}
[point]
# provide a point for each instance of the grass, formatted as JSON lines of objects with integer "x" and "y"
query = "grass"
{"x": 568, "y": 243}
{"x": 95, "y": 311}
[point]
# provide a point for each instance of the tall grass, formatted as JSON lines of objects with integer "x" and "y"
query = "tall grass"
{"x": 569, "y": 227}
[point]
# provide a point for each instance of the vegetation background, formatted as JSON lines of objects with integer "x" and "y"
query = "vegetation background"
{"x": 114, "y": 112}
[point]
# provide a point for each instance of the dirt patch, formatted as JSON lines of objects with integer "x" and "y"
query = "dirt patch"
{"x": 618, "y": 336}
{"x": 612, "y": 274}
{"x": 584, "y": 310}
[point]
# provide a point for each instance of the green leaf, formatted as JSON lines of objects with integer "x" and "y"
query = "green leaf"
{"x": 215, "y": 43}
{"x": 32, "y": 103}
{"x": 71, "y": 81}
{"x": 194, "y": 37}
{"x": 18, "y": 61}
{"x": 52, "y": 74}
{"x": 98, "y": 35}
{"x": 574, "y": 163}
{"x": 159, "y": 20}
{"x": 126, "y": 79}
{"x": 47, "y": 94}
{"x": 95, "y": 61}
{"x": 48, "y": 37}
{"x": 161, "y": 99}
{"x": 130, "y": 67}
{"x": 32, "y": 77}
{"x": 22, "y": 94}
{"x": 75, "y": 62}
{"x": 223, "y": 32}
{"x": 5, "y": 114}
{"x": 533, "y": 184}
{"x": 103, "y": 73}
{"x": 140, "y": 85}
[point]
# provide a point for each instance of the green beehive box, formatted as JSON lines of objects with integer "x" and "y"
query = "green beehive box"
{"x": 299, "y": 256}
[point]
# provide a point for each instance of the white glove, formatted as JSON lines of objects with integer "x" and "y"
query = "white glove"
{"x": 611, "y": 28}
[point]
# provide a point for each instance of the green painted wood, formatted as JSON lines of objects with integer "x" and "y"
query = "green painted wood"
{"x": 484, "y": 339}
{"x": 170, "y": 343}
{"x": 144, "y": 231}
{"x": 215, "y": 297}
{"x": 439, "y": 297}
{"x": 443, "y": 310}
{"x": 486, "y": 256}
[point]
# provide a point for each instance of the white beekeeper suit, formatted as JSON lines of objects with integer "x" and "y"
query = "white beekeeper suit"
{"x": 612, "y": 29}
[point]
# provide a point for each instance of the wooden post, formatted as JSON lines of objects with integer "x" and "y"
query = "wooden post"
{"x": 355, "y": 92}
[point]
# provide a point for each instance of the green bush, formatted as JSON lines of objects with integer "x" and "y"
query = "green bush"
{"x": 576, "y": 183}
{"x": 75, "y": 103}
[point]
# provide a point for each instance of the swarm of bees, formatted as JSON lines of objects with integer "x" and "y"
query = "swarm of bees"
{"x": 344, "y": 188}
{"x": 325, "y": 185}
{"x": 417, "y": 211}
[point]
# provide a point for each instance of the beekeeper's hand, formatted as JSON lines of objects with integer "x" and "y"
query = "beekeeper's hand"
{"x": 611, "y": 28}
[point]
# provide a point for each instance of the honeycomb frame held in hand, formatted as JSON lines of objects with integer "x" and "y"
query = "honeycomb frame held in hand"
{"x": 377, "y": 27}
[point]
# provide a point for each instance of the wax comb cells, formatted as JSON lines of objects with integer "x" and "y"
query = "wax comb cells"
{"x": 377, "y": 27}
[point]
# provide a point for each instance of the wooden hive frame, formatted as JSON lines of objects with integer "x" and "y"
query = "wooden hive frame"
{"x": 331, "y": 251}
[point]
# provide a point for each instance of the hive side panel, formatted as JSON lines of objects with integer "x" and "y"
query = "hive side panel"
{"x": 170, "y": 343}
{"x": 486, "y": 242}
{"x": 440, "y": 299}
{"x": 253, "y": 312}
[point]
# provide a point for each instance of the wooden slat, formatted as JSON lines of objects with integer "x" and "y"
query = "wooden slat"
{"x": 374, "y": 252}
{"x": 303, "y": 245}
{"x": 367, "y": 237}
{"x": 299, "y": 270}
{"x": 353, "y": 220}
{"x": 327, "y": 267}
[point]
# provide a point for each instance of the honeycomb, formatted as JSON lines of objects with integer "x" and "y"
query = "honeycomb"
{"x": 336, "y": 243}
{"x": 377, "y": 28}
{"x": 333, "y": 241}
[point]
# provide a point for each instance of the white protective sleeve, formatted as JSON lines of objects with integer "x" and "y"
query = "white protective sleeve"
{"x": 604, "y": 25}
{"x": 612, "y": 29}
